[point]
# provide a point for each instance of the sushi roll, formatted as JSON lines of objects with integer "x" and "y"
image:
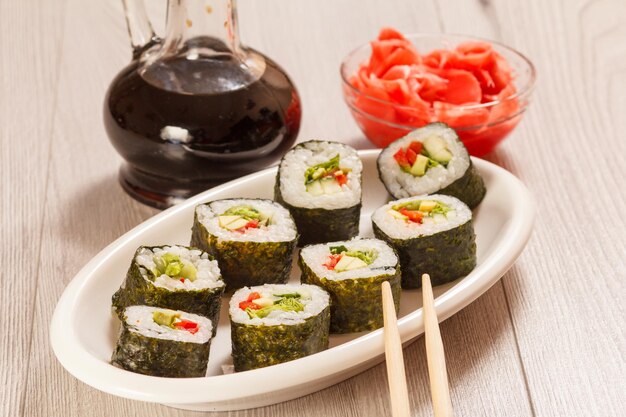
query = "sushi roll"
{"x": 430, "y": 160}
{"x": 253, "y": 240}
{"x": 432, "y": 235}
{"x": 174, "y": 277}
{"x": 162, "y": 342}
{"x": 352, "y": 273}
{"x": 272, "y": 324}
{"x": 320, "y": 183}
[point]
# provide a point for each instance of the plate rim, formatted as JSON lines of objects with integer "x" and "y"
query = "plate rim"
{"x": 105, "y": 377}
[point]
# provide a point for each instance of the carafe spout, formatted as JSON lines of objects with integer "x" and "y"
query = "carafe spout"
{"x": 139, "y": 26}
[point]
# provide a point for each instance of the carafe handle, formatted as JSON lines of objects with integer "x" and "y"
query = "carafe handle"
{"x": 139, "y": 26}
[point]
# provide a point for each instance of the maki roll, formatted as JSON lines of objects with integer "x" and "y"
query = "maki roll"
{"x": 320, "y": 183}
{"x": 161, "y": 342}
{"x": 432, "y": 235}
{"x": 252, "y": 239}
{"x": 352, "y": 273}
{"x": 430, "y": 160}
{"x": 174, "y": 277}
{"x": 272, "y": 324}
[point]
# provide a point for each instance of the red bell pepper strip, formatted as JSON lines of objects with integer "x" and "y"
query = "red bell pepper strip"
{"x": 254, "y": 296}
{"x": 414, "y": 216}
{"x": 332, "y": 261}
{"x": 416, "y": 147}
{"x": 341, "y": 178}
{"x": 249, "y": 304}
{"x": 401, "y": 159}
{"x": 411, "y": 156}
{"x": 190, "y": 326}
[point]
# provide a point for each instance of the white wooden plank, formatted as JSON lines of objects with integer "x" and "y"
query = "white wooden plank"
{"x": 566, "y": 299}
{"x": 30, "y": 35}
{"x": 309, "y": 39}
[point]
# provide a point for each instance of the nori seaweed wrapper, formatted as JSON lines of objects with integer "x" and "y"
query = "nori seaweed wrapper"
{"x": 246, "y": 263}
{"x": 356, "y": 304}
{"x": 138, "y": 291}
{"x": 470, "y": 188}
{"x": 319, "y": 225}
{"x": 445, "y": 256}
{"x": 160, "y": 357}
{"x": 261, "y": 346}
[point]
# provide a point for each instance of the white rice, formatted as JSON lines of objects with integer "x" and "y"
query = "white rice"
{"x": 139, "y": 320}
{"x": 207, "y": 275}
{"x": 281, "y": 227}
{"x": 298, "y": 160}
{"x": 403, "y": 184}
{"x": 401, "y": 229}
{"x": 313, "y": 298}
{"x": 314, "y": 256}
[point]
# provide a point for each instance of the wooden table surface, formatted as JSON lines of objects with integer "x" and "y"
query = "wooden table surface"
{"x": 546, "y": 340}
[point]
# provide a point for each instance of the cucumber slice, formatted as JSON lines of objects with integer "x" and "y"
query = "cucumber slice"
{"x": 330, "y": 186}
{"x": 419, "y": 167}
{"x": 439, "y": 218}
{"x": 397, "y": 215}
{"x": 188, "y": 272}
{"x": 315, "y": 188}
{"x": 437, "y": 150}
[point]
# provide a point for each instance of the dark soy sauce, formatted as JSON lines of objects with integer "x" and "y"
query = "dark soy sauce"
{"x": 186, "y": 125}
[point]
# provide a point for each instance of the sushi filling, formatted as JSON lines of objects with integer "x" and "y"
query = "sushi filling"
{"x": 341, "y": 259}
{"x": 174, "y": 267}
{"x": 260, "y": 305}
{"x": 178, "y": 267}
{"x": 277, "y": 304}
{"x": 243, "y": 217}
{"x": 326, "y": 177}
{"x": 166, "y": 324}
{"x": 246, "y": 220}
{"x": 174, "y": 321}
{"x": 422, "y": 211}
{"x": 419, "y": 157}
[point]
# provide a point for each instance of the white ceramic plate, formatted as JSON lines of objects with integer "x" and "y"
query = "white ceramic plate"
{"x": 83, "y": 332}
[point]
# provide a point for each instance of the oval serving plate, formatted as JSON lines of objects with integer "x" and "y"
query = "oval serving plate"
{"x": 83, "y": 332}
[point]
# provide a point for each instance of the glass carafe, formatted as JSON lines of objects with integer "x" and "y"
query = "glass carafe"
{"x": 195, "y": 108}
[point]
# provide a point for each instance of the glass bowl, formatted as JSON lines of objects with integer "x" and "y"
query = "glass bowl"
{"x": 379, "y": 118}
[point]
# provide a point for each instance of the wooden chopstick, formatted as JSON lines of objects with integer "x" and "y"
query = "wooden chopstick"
{"x": 440, "y": 392}
{"x": 393, "y": 355}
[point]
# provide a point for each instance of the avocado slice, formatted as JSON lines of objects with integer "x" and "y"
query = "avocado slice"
{"x": 419, "y": 167}
{"x": 165, "y": 318}
{"x": 226, "y": 220}
{"x": 348, "y": 263}
{"x": 232, "y": 222}
{"x": 427, "y": 206}
{"x": 264, "y": 301}
{"x": 437, "y": 149}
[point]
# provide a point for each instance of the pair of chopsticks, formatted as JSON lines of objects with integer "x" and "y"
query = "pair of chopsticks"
{"x": 442, "y": 406}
